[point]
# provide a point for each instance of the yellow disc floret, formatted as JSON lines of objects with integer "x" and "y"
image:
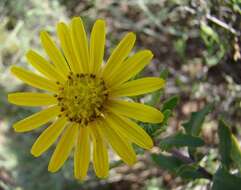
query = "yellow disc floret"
{"x": 82, "y": 97}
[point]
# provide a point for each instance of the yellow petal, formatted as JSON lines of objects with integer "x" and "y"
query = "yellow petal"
{"x": 97, "y": 45}
{"x": 31, "y": 99}
{"x": 130, "y": 67}
{"x": 120, "y": 145}
{"x": 36, "y": 120}
{"x": 48, "y": 137}
{"x": 64, "y": 35}
{"x": 130, "y": 130}
{"x": 34, "y": 80}
{"x": 80, "y": 43}
{"x": 64, "y": 147}
{"x": 54, "y": 54}
{"x": 136, "y": 111}
{"x": 137, "y": 87}
{"x": 100, "y": 154}
{"x": 82, "y": 154}
{"x": 119, "y": 54}
{"x": 44, "y": 67}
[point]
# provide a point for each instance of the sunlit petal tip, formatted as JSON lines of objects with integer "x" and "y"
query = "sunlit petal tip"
{"x": 145, "y": 54}
{"x": 150, "y": 145}
{"x": 13, "y": 69}
{"x": 148, "y": 53}
{"x": 132, "y": 161}
{"x": 80, "y": 179}
{"x": 43, "y": 34}
{"x": 103, "y": 176}
{"x": 76, "y": 18}
{"x": 17, "y": 129}
{"x": 100, "y": 21}
{"x": 61, "y": 23}
{"x": 132, "y": 35}
{"x": 52, "y": 169}
{"x": 35, "y": 154}
{"x": 162, "y": 83}
{"x": 10, "y": 98}
{"x": 29, "y": 53}
{"x": 161, "y": 117}
{"x": 59, "y": 26}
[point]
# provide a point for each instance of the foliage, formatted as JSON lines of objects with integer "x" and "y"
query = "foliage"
{"x": 188, "y": 167}
{"x": 180, "y": 140}
{"x": 193, "y": 126}
{"x": 224, "y": 180}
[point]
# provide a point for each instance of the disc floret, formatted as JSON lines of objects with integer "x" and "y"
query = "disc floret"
{"x": 82, "y": 97}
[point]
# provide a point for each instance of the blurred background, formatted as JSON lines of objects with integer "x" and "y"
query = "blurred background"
{"x": 196, "y": 41}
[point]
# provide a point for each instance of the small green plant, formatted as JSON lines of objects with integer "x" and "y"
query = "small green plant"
{"x": 180, "y": 153}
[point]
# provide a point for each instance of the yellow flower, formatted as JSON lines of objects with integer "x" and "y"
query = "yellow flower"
{"x": 85, "y": 100}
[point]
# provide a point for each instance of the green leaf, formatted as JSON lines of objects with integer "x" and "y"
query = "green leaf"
{"x": 167, "y": 162}
{"x": 177, "y": 166}
{"x": 180, "y": 46}
{"x": 236, "y": 152}
{"x": 170, "y": 103}
{"x": 194, "y": 125}
{"x": 164, "y": 74}
{"x": 208, "y": 34}
{"x": 167, "y": 113}
{"x": 223, "y": 180}
{"x": 180, "y": 140}
{"x": 190, "y": 172}
{"x": 153, "y": 129}
{"x": 163, "y": 126}
{"x": 225, "y": 143}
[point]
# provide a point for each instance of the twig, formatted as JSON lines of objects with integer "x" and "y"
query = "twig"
{"x": 222, "y": 24}
{"x": 6, "y": 177}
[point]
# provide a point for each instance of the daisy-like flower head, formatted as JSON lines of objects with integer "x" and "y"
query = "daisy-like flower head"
{"x": 85, "y": 98}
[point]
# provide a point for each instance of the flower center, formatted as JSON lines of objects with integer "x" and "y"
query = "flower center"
{"x": 82, "y": 97}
